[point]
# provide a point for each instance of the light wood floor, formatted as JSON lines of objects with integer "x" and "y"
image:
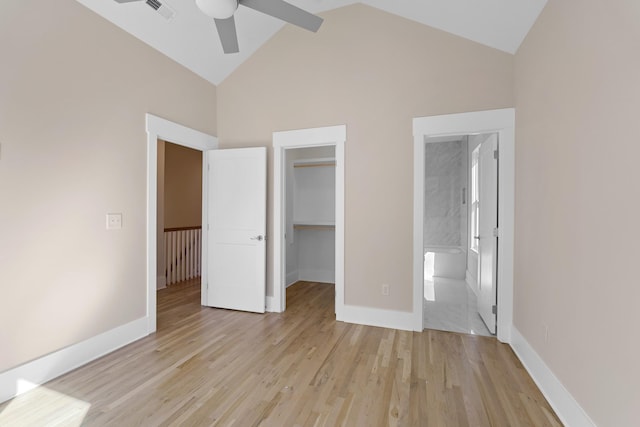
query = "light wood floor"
{"x": 217, "y": 367}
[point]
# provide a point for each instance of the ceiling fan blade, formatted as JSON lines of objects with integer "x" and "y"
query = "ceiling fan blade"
{"x": 287, "y": 12}
{"x": 227, "y": 32}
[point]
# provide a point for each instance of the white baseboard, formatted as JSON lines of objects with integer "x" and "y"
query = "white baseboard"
{"x": 471, "y": 281}
{"x": 292, "y": 278}
{"x": 161, "y": 282}
{"x": 562, "y": 402}
{"x": 376, "y": 317}
{"x": 320, "y": 276}
{"x": 53, "y": 365}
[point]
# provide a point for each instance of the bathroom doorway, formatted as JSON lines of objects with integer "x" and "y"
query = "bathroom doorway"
{"x": 452, "y": 284}
{"x": 499, "y": 235}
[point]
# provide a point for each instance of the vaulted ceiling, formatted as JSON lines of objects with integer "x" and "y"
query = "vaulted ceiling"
{"x": 190, "y": 37}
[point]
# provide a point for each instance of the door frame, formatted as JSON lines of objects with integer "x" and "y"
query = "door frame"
{"x": 159, "y": 128}
{"x": 304, "y": 138}
{"x": 491, "y": 121}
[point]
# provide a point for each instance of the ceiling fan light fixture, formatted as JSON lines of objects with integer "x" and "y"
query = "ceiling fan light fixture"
{"x": 218, "y": 9}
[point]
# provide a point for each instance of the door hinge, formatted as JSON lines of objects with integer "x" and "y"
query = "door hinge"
{"x": 494, "y": 309}
{"x": 496, "y": 155}
{"x": 208, "y": 166}
{"x": 495, "y": 232}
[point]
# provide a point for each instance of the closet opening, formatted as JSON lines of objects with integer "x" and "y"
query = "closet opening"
{"x": 310, "y": 206}
{"x": 308, "y": 214}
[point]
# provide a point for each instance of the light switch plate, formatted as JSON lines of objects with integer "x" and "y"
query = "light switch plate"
{"x": 114, "y": 221}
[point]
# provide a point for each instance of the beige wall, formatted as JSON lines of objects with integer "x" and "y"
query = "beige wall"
{"x": 74, "y": 90}
{"x": 577, "y": 201}
{"x": 373, "y": 72}
{"x": 182, "y": 187}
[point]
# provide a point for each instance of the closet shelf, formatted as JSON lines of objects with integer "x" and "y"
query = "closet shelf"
{"x": 314, "y": 225}
{"x": 312, "y": 163}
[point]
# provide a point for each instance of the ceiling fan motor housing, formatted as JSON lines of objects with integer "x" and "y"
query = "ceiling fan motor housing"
{"x": 218, "y": 9}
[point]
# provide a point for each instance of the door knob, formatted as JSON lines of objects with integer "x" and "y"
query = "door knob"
{"x": 258, "y": 238}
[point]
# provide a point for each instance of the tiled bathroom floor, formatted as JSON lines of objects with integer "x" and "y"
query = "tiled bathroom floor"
{"x": 450, "y": 305}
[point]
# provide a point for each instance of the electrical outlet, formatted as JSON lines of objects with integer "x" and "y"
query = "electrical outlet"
{"x": 114, "y": 221}
{"x": 385, "y": 290}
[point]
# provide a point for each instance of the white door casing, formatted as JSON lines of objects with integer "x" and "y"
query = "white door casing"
{"x": 313, "y": 137}
{"x": 502, "y": 122}
{"x": 487, "y": 230}
{"x": 159, "y": 128}
{"x": 237, "y": 229}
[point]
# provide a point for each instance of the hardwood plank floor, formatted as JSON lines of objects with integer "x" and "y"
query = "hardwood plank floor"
{"x": 300, "y": 368}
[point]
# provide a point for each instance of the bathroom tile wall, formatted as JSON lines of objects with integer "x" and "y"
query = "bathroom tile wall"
{"x": 443, "y": 193}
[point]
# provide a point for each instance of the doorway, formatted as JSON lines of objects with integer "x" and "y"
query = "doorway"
{"x": 165, "y": 130}
{"x": 455, "y": 299}
{"x": 179, "y": 214}
{"x": 309, "y": 148}
{"x": 498, "y": 122}
{"x": 310, "y": 202}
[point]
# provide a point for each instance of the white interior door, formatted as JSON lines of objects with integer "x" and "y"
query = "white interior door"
{"x": 237, "y": 229}
{"x": 488, "y": 223}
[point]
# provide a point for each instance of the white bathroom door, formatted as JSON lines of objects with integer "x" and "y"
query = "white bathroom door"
{"x": 488, "y": 231}
{"x": 237, "y": 194}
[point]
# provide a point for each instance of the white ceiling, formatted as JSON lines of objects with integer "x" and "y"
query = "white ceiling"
{"x": 190, "y": 38}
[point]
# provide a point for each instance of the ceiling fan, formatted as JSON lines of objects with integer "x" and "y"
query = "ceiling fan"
{"x": 222, "y": 13}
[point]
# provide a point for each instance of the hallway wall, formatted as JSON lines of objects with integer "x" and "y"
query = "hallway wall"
{"x": 182, "y": 187}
